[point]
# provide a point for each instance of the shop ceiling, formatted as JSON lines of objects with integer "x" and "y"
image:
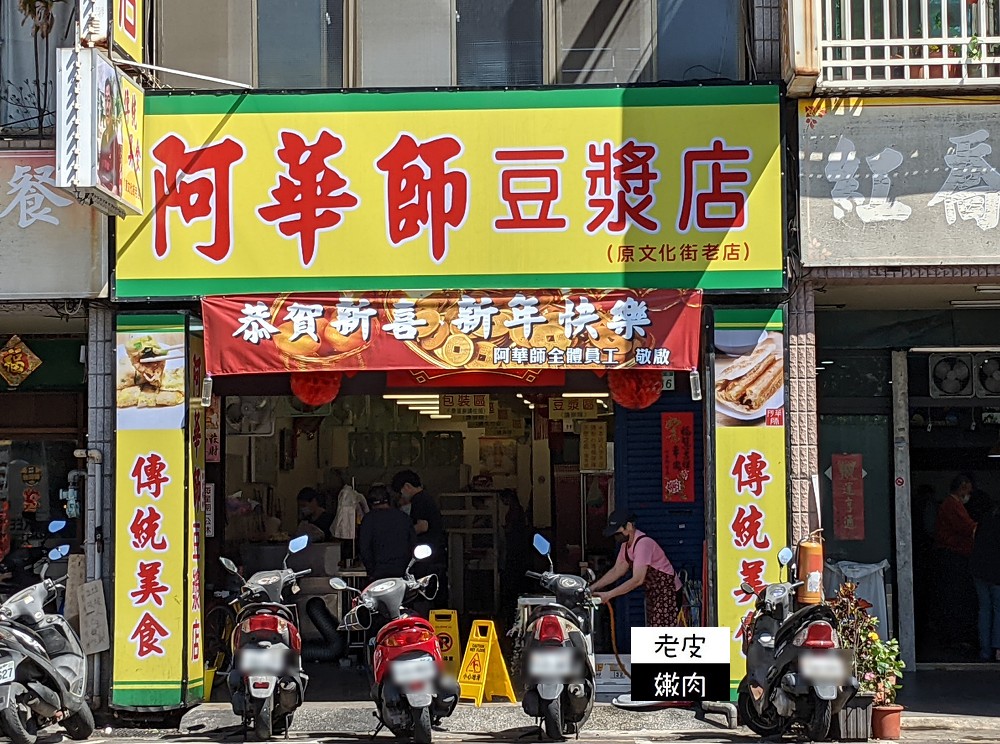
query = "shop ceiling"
{"x": 908, "y": 297}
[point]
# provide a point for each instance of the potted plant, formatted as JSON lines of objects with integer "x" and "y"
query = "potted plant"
{"x": 857, "y": 631}
{"x": 888, "y": 668}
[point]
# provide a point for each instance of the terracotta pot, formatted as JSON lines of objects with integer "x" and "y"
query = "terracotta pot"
{"x": 886, "y": 720}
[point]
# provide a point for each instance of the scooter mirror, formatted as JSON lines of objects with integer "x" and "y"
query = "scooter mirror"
{"x": 63, "y": 550}
{"x": 229, "y": 565}
{"x": 422, "y": 552}
{"x": 785, "y": 556}
{"x": 542, "y": 545}
{"x": 56, "y": 526}
{"x": 338, "y": 584}
{"x": 54, "y": 554}
{"x": 747, "y": 589}
{"x": 298, "y": 544}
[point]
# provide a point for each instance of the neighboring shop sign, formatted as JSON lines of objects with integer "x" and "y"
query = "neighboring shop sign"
{"x": 128, "y": 27}
{"x": 652, "y": 187}
{"x": 213, "y": 430}
{"x": 848, "y": 476}
{"x": 577, "y": 329}
{"x": 52, "y": 246}
{"x": 677, "y": 442}
{"x": 17, "y": 361}
{"x": 153, "y": 518}
{"x": 899, "y": 181}
{"x": 99, "y": 151}
{"x": 593, "y": 446}
{"x": 750, "y": 474}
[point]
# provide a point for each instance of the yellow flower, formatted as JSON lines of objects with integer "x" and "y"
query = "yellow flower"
{"x": 873, "y": 636}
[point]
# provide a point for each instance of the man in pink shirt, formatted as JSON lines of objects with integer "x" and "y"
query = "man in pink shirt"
{"x": 650, "y": 569}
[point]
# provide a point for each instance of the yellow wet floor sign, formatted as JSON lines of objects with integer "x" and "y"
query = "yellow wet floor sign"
{"x": 484, "y": 672}
{"x": 445, "y": 624}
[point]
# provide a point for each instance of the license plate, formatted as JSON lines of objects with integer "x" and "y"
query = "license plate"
{"x": 549, "y": 664}
{"x": 6, "y": 672}
{"x": 264, "y": 660}
{"x": 408, "y": 671}
{"x": 821, "y": 668}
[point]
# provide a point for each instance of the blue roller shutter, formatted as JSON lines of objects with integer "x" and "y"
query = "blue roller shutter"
{"x": 678, "y": 528}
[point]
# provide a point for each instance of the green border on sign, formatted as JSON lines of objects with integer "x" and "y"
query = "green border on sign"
{"x": 713, "y": 280}
{"x": 263, "y": 102}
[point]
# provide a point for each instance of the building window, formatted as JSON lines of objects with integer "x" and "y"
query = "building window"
{"x": 28, "y": 46}
{"x": 605, "y": 41}
{"x": 499, "y": 43}
{"x": 300, "y": 44}
{"x": 404, "y": 44}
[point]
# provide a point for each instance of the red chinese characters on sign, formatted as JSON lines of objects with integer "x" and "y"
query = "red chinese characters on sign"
{"x": 145, "y": 530}
{"x": 148, "y": 635}
{"x": 196, "y": 641}
{"x": 748, "y": 528}
{"x": 422, "y": 193}
{"x": 150, "y": 475}
{"x": 751, "y": 572}
{"x": 848, "y": 476}
{"x": 529, "y": 204}
{"x": 750, "y": 473}
{"x": 312, "y": 196}
{"x": 722, "y": 206}
{"x": 197, "y": 183}
{"x": 127, "y": 15}
{"x": 620, "y": 186}
{"x": 677, "y": 456}
{"x": 149, "y": 588}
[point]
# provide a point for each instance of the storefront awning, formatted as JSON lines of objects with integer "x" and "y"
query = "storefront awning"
{"x": 583, "y": 329}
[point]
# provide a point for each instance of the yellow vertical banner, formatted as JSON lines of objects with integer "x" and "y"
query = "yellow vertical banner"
{"x": 195, "y": 691}
{"x": 150, "y": 536}
{"x": 750, "y": 462}
{"x": 128, "y": 27}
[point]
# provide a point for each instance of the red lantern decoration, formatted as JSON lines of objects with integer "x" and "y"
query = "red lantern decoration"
{"x": 316, "y": 388}
{"x": 635, "y": 388}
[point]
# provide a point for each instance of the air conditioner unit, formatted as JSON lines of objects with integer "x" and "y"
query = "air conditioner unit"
{"x": 951, "y": 375}
{"x": 250, "y": 416}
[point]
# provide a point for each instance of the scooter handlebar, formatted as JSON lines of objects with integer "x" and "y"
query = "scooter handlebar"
{"x": 532, "y": 575}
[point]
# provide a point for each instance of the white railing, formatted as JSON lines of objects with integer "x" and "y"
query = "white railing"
{"x": 885, "y": 44}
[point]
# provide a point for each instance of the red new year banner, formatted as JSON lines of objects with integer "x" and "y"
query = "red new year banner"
{"x": 547, "y": 329}
{"x": 677, "y": 443}
{"x": 848, "y": 477}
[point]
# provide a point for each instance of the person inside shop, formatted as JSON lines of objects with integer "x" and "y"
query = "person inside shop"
{"x": 429, "y": 526}
{"x": 386, "y": 538}
{"x": 954, "y": 534}
{"x": 644, "y": 558}
{"x": 316, "y": 520}
{"x": 986, "y": 575}
{"x": 517, "y": 552}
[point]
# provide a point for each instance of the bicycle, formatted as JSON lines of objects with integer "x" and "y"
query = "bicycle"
{"x": 219, "y": 624}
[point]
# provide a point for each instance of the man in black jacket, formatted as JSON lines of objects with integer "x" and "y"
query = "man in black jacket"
{"x": 429, "y": 525}
{"x": 386, "y": 538}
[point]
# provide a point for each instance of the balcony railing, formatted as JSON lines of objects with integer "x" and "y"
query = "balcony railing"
{"x": 885, "y": 44}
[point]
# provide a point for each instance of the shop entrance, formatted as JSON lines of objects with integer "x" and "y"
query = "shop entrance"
{"x": 955, "y": 477}
{"x": 501, "y": 463}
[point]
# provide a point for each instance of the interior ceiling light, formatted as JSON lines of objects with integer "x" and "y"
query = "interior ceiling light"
{"x": 995, "y": 450}
{"x": 988, "y": 288}
{"x": 976, "y": 303}
{"x": 440, "y": 416}
{"x": 404, "y": 398}
{"x": 584, "y": 395}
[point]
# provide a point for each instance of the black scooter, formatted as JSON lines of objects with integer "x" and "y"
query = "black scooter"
{"x": 797, "y": 673}
{"x": 559, "y": 653}
{"x": 43, "y": 670}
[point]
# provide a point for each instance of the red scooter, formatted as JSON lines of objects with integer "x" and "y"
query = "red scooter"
{"x": 267, "y": 682}
{"x": 411, "y": 688}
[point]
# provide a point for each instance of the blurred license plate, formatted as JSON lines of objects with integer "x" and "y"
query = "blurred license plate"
{"x": 828, "y": 668}
{"x": 413, "y": 670}
{"x": 262, "y": 660}
{"x": 549, "y": 664}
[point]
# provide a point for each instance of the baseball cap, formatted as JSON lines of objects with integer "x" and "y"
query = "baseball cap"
{"x": 378, "y": 494}
{"x": 618, "y": 519}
